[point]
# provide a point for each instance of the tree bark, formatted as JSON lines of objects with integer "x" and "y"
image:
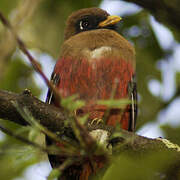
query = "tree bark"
{"x": 48, "y": 115}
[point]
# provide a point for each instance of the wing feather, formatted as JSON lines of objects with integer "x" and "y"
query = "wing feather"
{"x": 133, "y": 107}
{"x": 55, "y": 79}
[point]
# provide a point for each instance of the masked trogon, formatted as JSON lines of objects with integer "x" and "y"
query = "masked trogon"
{"x": 96, "y": 63}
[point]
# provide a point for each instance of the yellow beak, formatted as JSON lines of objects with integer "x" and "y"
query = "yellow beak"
{"x": 111, "y": 20}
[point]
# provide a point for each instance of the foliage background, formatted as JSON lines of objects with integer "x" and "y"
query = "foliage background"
{"x": 40, "y": 23}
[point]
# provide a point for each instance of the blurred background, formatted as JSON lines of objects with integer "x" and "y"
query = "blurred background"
{"x": 40, "y": 23}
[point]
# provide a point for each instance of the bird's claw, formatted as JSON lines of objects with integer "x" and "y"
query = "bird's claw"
{"x": 96, "y": 121}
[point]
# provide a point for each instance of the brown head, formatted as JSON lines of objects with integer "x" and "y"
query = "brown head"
{"x": 89, "y": 19}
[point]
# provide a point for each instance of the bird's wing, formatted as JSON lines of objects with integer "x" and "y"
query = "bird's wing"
{"x": 133, "y": 106}
{"x": 55, "y": 79}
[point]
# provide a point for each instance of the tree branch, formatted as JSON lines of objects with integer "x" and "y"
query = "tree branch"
{"x": 48, "y": 115}
{"x": 120, "y": 141}
{"x": 52, "y": 118}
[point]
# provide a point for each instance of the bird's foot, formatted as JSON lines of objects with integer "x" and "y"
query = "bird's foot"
{"x": 97, "y": 121}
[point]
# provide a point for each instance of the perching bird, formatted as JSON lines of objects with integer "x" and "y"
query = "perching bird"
{"x": 95, "y": 63}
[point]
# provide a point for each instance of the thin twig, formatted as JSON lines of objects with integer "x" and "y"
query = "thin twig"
{"x": 57, "y": 172}
{"x": 48, "y": 150}
{"x": 25, "y": 113}
{"x": 22, "y": 139}
{"x": 84, "y": 137}
{"x": 66, "y": 163}
{"x": 33, "y": 62}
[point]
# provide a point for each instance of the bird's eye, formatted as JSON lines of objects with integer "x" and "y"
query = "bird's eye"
{"x": 84, "y": 25}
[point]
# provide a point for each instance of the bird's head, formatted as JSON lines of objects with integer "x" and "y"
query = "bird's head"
{"x": 89, "y": 19}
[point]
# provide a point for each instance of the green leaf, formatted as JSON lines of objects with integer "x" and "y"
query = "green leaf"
{"x": 115, "y": 103}
{"x": 33, "y": 134}
{"x": 15, "y": 158}
{"x": 83, "y": 119}
{"x": 139, "y": 167}
{"x": 72, "y": 103}
{"x": 55, "y": 173}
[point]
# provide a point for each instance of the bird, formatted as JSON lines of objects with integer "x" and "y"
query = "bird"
{"x": 96, "y": 63}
